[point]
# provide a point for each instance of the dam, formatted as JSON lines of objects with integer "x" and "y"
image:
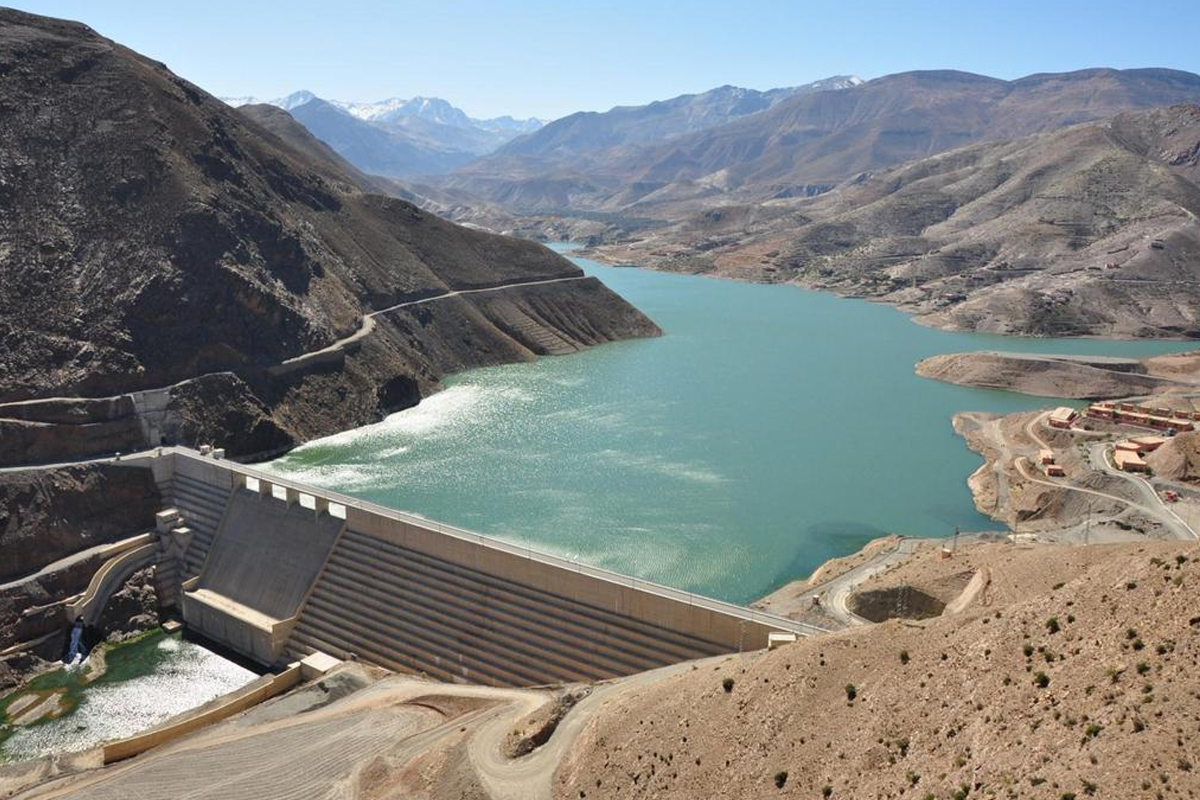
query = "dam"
{"x": 277, "y": 570}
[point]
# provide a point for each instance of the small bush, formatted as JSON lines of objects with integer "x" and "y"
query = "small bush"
{"x": 851, "y": 692}
{"x": 1041, "y": 680}
{"x": 1052, "y": 625}
{"x": 727, "y": 685}
{"x": 903, "y": 656}
{"x": 1142, "y": 668}
{"x": 826, "y": 790}
{"x": 1138, "y": 644}
{"x": 780, "y": 779}
{"x": 1092, "y": 731}
{"x": 1027, "y": 650}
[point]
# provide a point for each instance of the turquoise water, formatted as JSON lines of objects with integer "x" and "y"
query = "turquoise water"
{"x": 770, "y": 429}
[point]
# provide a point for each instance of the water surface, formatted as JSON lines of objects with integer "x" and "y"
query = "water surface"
{"x": 770, "y": 429}
{"x": 146, "y": 682}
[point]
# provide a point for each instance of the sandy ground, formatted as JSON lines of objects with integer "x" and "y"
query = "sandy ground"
{"x": 908, "y": 709}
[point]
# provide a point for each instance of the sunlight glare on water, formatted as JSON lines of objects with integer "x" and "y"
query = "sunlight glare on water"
{"x": 770, "y": 429}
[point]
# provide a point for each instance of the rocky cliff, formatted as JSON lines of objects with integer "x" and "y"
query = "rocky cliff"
{"x": 155, "y": 240}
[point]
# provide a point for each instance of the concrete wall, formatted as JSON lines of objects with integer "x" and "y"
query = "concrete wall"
{"x": 234, "y": 703}
{"x": 268, "y": 552}
{"x": 725, "y": 626}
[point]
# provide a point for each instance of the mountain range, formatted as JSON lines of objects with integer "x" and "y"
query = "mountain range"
{"x": 398, "y": 138}
{"x": 1090, "y": 229}
{"x": 802, "y": 144}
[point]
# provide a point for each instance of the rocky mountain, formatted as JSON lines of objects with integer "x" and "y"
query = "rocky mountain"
{"x": 399, "y": 137}
{"x": 391, "y": 150}
{"x": 156, "y": 241}
{"x": 659, "y": 121}
{"x": 809, "y": 142}
{"x": 562, "y": 165}
{"x": 1087, "y": 230}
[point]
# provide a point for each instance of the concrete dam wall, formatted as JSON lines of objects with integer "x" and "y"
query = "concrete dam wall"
{"x": 277, "y": 570}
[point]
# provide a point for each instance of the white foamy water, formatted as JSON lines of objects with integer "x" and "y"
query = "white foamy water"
{"x": 182, "y": 675}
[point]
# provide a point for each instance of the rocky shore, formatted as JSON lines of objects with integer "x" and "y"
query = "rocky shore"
{"x": 1070, "y": 377}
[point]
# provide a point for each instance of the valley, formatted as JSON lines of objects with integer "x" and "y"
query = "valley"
{"x": 839, "y": 439}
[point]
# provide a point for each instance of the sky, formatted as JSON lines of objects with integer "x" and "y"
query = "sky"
{"x": 548, "y": 59}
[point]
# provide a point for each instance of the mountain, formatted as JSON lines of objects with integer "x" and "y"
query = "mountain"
{"x": 389, "y": 150}
{"x": 428, "y": 124}
{"x": 1091, "y": 229}
{"x": 808, "y": 142}
{"x": 156, "y": 238}
{"x": 632, "y": 125}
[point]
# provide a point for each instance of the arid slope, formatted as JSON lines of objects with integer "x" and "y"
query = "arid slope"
{"x": 1088, "y": 230}
{"x": 153, "y": 235}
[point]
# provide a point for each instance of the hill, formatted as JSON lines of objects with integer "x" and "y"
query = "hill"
{"x": 992, "y": 702}
{"x": 1085, "y": 230}
{"x": 807, "y": 143}
{"x": 543, "y": 171}
{"x": 155, "y": 237}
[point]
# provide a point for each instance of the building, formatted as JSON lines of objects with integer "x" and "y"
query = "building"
{"x": 1160, "y": 418}
{"x": 1045, "y": 456}
{"x": 1055, "y": 471}
{"x": 1127, "y": 445}
{"x": 1063, "y": 417}
{"x": 1148, "y": 444}
{"x": 1128, "y": 461}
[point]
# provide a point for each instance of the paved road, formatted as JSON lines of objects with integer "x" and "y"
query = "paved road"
{"x": 368, "y": 320}
{"x": 368, "y": 325}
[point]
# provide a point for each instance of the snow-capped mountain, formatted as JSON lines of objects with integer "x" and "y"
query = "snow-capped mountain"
{"x": 433, "y": 109}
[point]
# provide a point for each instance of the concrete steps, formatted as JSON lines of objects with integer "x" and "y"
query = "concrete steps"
{"x": 409, "y": 611}
{"x": 503, "y": 619}
{"x": 645, "y": 642}
{"x": 203, "y": 506}
{"x": 509, "y": 649}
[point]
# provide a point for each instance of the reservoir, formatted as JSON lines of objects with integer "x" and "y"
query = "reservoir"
{"x": 769, "y": 429}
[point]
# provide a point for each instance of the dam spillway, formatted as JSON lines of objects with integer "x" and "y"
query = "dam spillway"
{"x": 277, "y": 570}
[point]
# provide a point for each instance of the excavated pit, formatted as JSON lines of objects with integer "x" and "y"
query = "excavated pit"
{"x": 895, "y": 602}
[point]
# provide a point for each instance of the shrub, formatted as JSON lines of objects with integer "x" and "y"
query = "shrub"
{"x": 780, "y": 779}
{"x": 1142, "y": 668}
{"x": 1041, "y": 680}
{"x": 826, "y": 790}
{"x": 1092, "y": 731}
{"x": 727, "y": 685}
{"x": 1027, "y": 650}
{"x": 1138, "y": 644}
{"x": 851, "y": 692}
{"x": 1052, "y": 625}
{"x": 903, "y": 656}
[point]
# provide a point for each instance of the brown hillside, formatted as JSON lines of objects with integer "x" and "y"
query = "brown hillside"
{"x": 948, "y": 707}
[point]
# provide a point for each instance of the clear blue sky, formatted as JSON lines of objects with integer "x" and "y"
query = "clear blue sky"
{"x": 547, "y": 59}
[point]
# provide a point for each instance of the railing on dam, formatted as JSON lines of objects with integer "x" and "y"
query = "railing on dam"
{"x": 749, "y": 615}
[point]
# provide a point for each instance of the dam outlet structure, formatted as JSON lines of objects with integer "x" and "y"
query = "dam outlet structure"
{"x": 278, "y": 571}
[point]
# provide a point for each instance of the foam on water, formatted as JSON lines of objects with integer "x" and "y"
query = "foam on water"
{"x": 180, "y": 676}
